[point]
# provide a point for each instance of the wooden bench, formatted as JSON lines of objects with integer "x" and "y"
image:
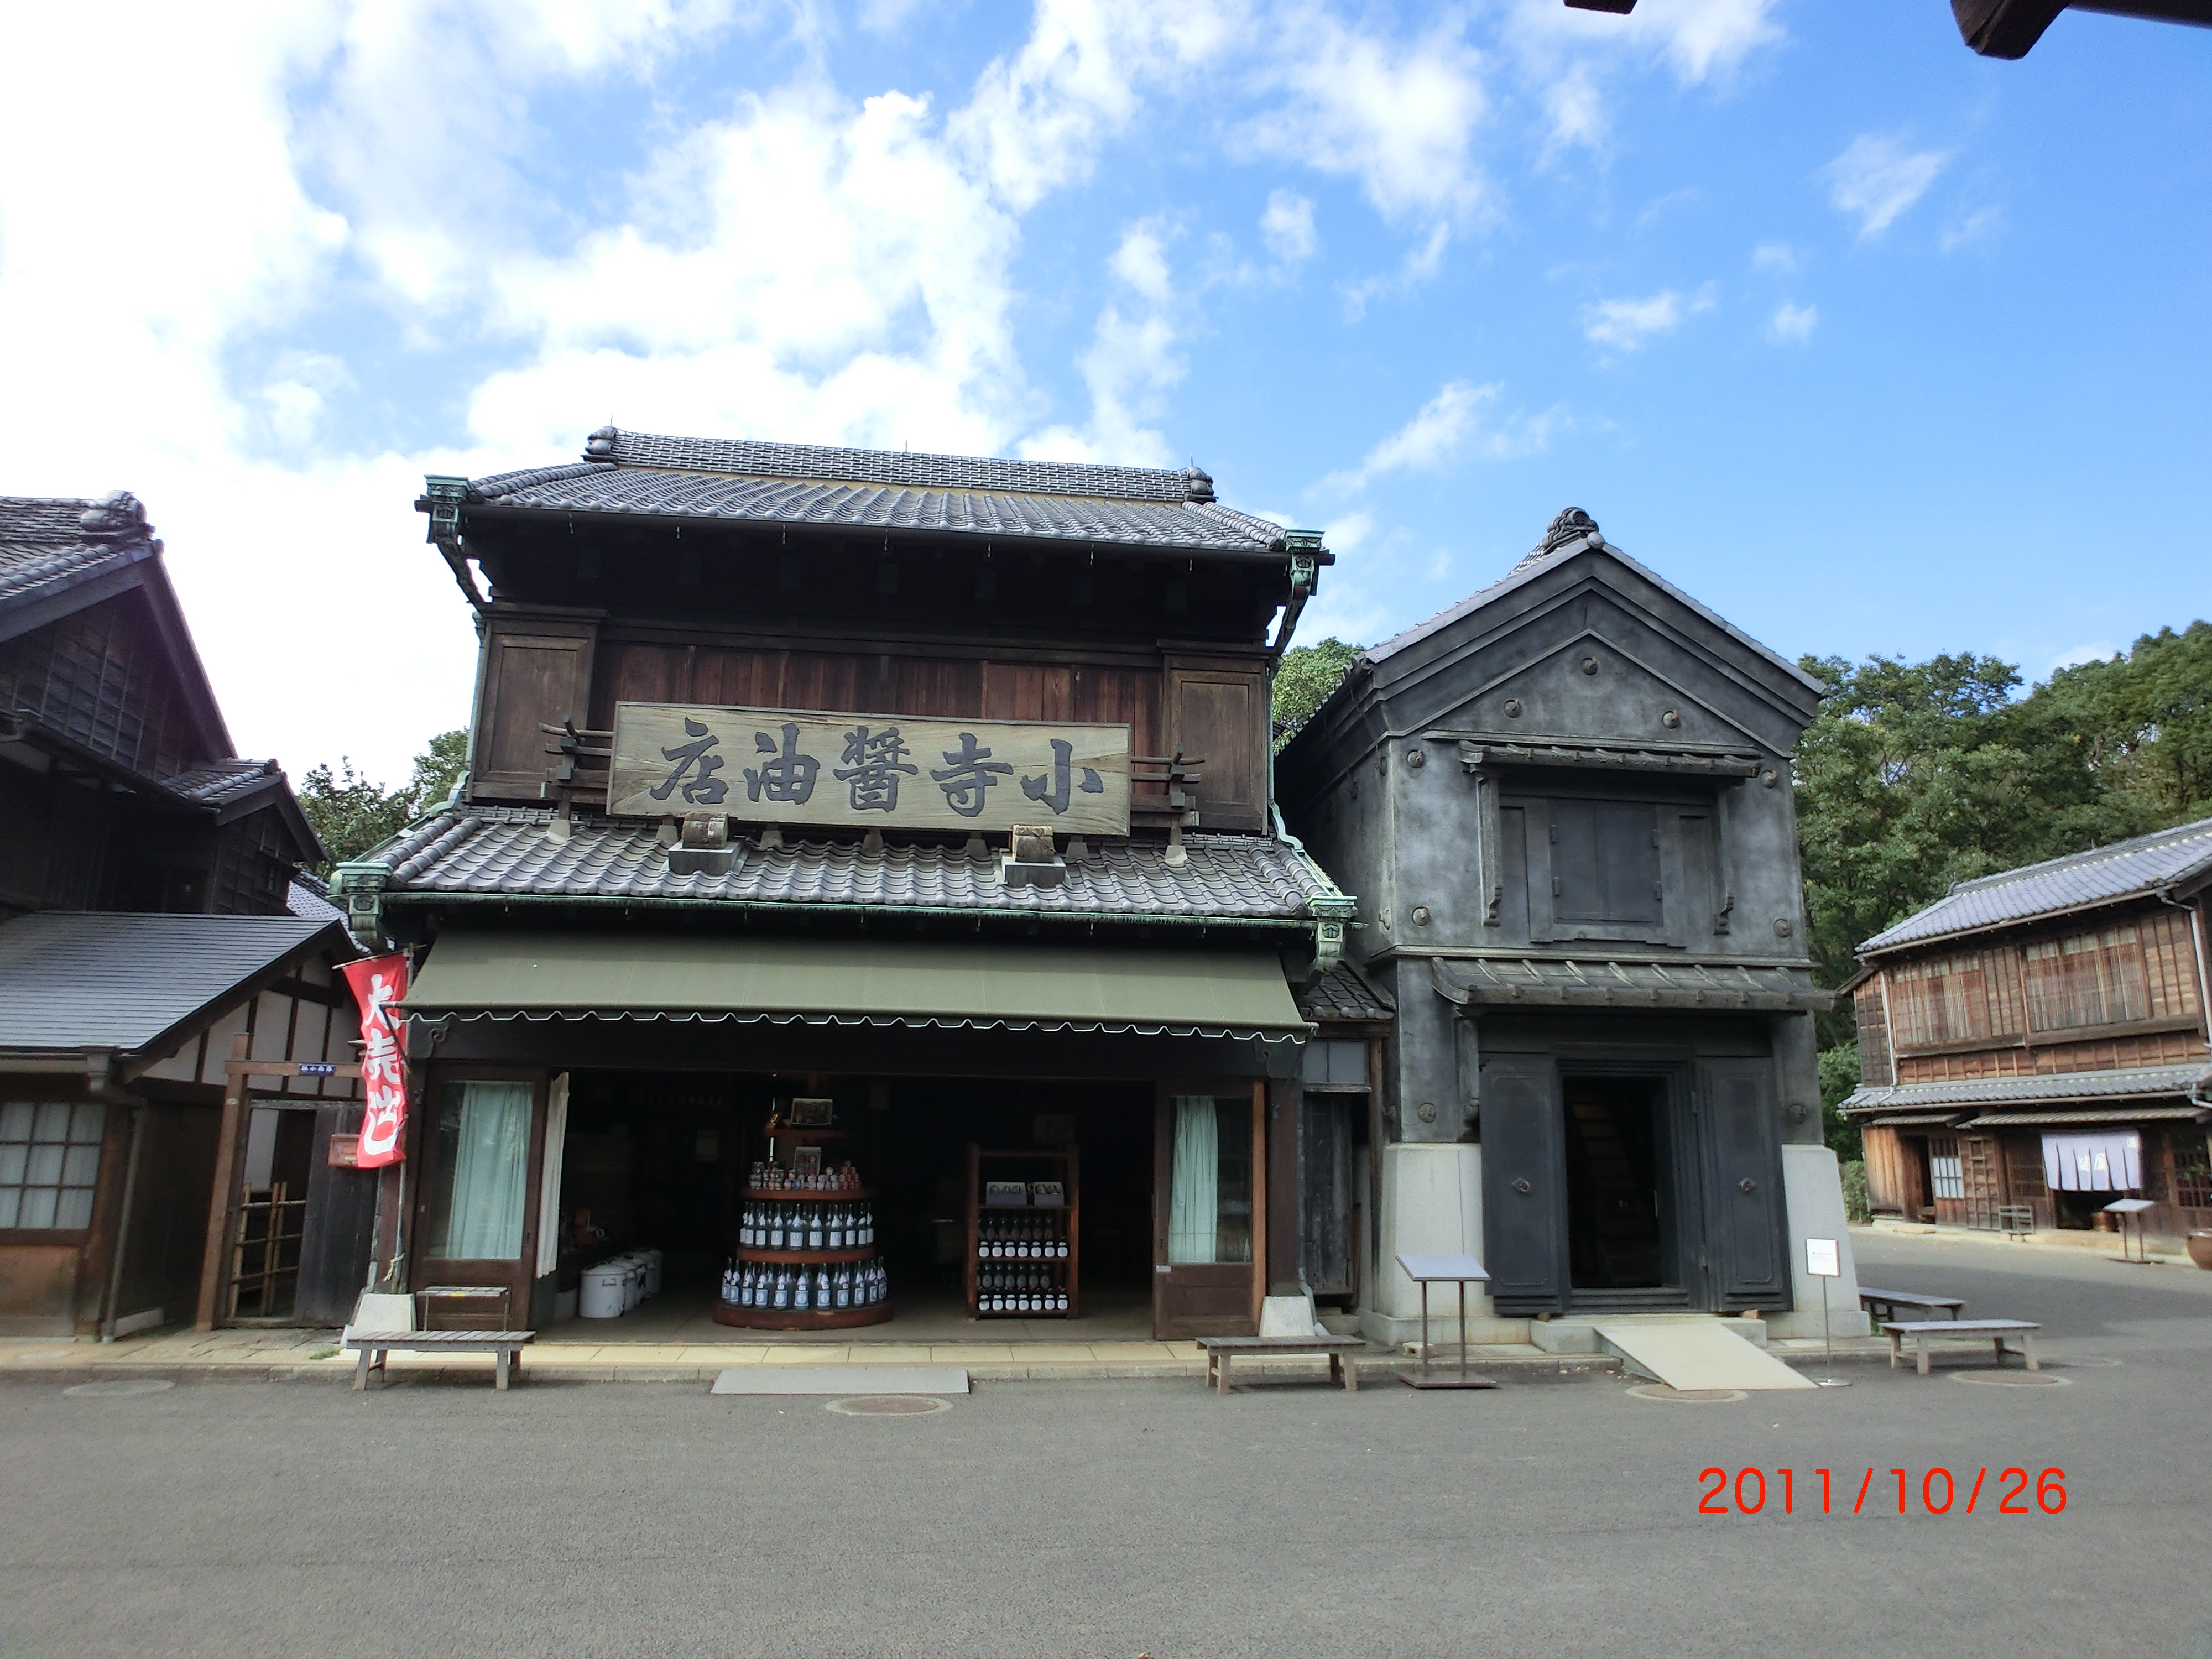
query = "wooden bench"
{"x": 1884, "y": 1304}
{"x": 1223, "y": 1351}
{"x": 1920, "y": 1330}
{"x": 506, "y": 1346}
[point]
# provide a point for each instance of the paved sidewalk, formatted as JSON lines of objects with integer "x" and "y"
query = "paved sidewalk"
{"x": 293, "y": 1355}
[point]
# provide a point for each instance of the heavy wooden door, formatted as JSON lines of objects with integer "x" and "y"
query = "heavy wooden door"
{"x": 1746, "y": 1249}
{"x": 1984, "y": 1180}
{"x": 1328, "y": 1253}
{"x": 1523, "y": 1184}
{"x": 479, "y": 1145}
{"x": 1209, "y": 1209}
{"x": 341, "y": 1227}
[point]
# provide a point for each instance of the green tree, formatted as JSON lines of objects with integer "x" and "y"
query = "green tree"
{"x": 350, "y": 814}
{"x": 2146, "y": 721}
{"x": 1916, "y": 775}
{"x": 1304, "y": 679}
{"x": 1839, "y": 1075}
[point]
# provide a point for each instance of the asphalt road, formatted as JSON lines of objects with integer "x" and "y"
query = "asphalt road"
{"x": 1128, "y": 1518}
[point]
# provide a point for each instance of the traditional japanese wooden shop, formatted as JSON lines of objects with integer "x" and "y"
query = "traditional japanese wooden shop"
{"x": 2036, "y": 1045}
{"x": 172, "y": 1030}
{"x": 833, "y": 808}
{"x": 1566, "y": 803}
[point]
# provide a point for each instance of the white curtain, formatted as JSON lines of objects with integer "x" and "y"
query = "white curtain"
{"x": 491, "y": 1172}
{"x": 549, "y": 1177}
{"x": 2093, "y": 1164}
{"x": 1195, "y": 1196}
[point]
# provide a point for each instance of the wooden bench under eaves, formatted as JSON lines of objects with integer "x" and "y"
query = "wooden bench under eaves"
{"x": 1222, "y": 1352}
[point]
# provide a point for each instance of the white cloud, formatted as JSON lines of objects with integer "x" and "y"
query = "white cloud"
{"x": 1287, "y": 227}
{"x": 1876, "y": 178}
{"x": 1570, "y": 53}
{"x": 1779, "y": 258}
{"x": 876, "y": 315}
{"x": 1980, "y": 225}
{"x": 1628, "y": 325}
{"x": 1446, "y": 428}
{"x": 1397, "y": 117}
{"x": 1038, "y": 115}
{"x": 1574, "y": 110}
{"x": 1130, "y": 364}
{"x": 1793, "y": 322}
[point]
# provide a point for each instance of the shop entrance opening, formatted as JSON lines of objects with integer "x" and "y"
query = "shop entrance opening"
{"x": 1619, "y": 1207}
{"x": 665, "y": 1162}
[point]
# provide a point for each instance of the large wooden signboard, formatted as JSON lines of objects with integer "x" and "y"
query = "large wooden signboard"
{"x": 803, "y": 767}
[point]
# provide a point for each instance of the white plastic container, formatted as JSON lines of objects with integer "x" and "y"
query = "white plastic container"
{"x": 603, "y": 1293}
{"x": 633, "y": 1287}
{"x": 652, "y": 1260}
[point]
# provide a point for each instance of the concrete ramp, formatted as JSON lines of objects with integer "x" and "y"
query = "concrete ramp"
{"x": 1696, "y": 1353}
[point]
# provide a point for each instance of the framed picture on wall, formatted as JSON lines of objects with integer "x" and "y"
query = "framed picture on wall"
{"x": 806, "y": 1160}
{"x": 808, "y": 1114}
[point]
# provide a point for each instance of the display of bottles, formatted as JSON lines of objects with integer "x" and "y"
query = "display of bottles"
{"x": 826, "y": 1289}
{"x": 775, "y": 1224}
{"x": 1018, "y": 1290}
{"x": 1020, "y": 1238}
{"x": 775, "y": 1178}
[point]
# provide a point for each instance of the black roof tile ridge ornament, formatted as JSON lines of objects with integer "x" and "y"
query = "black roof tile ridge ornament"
{"x": 115, "y": 516}
{"x": 1571, "y": 528}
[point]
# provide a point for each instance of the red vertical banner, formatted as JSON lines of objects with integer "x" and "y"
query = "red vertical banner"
{"x": 377, "y": 983}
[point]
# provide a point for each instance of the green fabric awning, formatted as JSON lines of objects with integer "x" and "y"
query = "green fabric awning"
{"x": 1240, "y": 994}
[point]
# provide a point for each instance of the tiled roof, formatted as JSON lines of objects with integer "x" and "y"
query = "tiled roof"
{"x": 2134, "y": 1082}
{"x": 218, "y": 783}
{"x": 1541, "y": 560}
{"x": 505, "y": 850}
{"x": 308, "y": 897}
{"x": 1548, "y": 982}
{"x": 45, "y": 544}
{"x": 72, "y": 979}
{"x": 801, "y": 485}
{"x": 1341, "y": 993}
{"x": 2125, "y": 869}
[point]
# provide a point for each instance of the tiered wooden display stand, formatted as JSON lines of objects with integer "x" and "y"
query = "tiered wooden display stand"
{"x": 793, "y": 1319}
{"x": 984, "y": 1166}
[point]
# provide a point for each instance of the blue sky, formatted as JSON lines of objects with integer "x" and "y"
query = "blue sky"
{"x": 1871, "y": 344}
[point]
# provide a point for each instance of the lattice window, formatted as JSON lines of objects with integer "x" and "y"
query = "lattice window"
{"x": 49, "y": 1164}
{"x": 1948, "y": 1177}
{"x": 2192, "y": 1171}
{"x": 2086, "y": 979}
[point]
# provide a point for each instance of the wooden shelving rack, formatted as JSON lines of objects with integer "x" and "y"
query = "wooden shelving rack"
{"x": 812, "y": 1319}
{"x": 1063, "y": 1273}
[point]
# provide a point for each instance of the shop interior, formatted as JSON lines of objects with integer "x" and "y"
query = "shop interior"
{"x": 663, "y": 1164}
{"x": 1619, "y": 1209}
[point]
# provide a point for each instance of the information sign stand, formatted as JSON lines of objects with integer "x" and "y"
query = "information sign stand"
{"x": 2123, "y": 1210}
{"x": 1824, "y": 1261}
{"x": 1426, "y": 1270}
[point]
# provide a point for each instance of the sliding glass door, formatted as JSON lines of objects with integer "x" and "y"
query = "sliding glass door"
{"x": 1210, "y": 1207}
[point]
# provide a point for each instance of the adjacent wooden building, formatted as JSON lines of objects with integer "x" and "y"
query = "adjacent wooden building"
{"x": 151, "y": 930}
{"x": 2034, "y": 1045}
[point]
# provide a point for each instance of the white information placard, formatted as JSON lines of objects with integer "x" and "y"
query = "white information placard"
{"x": 1822, "y": 1259}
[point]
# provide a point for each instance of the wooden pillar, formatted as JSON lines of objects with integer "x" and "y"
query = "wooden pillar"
{"x": 1258, "y": 1200}
{"x": 212, "y": 1268}
{"x": 1285, "y": 1101}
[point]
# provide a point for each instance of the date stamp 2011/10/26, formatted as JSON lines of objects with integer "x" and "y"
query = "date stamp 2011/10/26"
{"x": 1754, "y": 1491}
